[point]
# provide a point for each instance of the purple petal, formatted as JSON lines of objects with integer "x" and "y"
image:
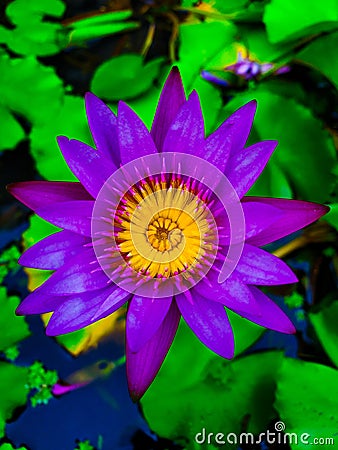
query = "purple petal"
{"x": 186, "y": 133}
{"x": 271, "y": 316}
{"x": 266, "y": 67}
{"x": 143, "y": 366}
{"x": 144, "y": 317}
{"x": 217, "y": 147}
{"x": 39, "y": 302}
{"x": 35, "y": 194}
{"x": 259, "y": 217}
{"x": 208, "y": 76}
{"x": 296, "y": 215}
{"x": 103, "y": 126}
{"x": 172, "y": 98}
{"x": 232, "y": 293}
{"x": 257, "y": 266}
{"x": 77, "y": 312}
{"x": 237, "y": 127}
{"x": 82, "y": 273}
{"x": 209, "y": 321}
{"x": 90, "y": 167}
{"x": 134, "y": 138}
{"x": 118, "y": 298}
{"x": 245, "y": 166}
{"x": 73, "y": 216}
{"x": 54, "y": 251}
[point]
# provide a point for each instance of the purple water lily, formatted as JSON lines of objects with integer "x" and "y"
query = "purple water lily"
{"x": 245, "y": 68}
{"x": 169, "y": 229}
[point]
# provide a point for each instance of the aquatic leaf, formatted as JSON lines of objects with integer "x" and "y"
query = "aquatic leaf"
{"x": 13, "y": 328}
{"x": 219, "y": 400}
{"x": 197, "y": 49}
{"x": 332, "y": 216}
{"x": 132, "y": 77}
{"x": 300, "y": 135}
{"x": 196, "y": 53}
{"x": 8, "y": 446}
{"x": 39, "y": 40}
{"x": 325, "y": 324}
{"x": 79, "y": 36}
{"x": 292, "y": 19}
{"x": 69, "y": 120}
{"x": 322, "y": 55}
{"x": 19, "y": 11}
{"x": 84, "y": 445}
{"x": 33, "y": 35}
{"x": 39, "y": 88}
{"x": 12, "y": 391}
{"x": 307, "y": 399}
{"x": 11, "y": 132}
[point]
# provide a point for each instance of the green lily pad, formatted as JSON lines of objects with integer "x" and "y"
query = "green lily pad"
{"x": 300, "y": 165}
{"x": 19, "y": 11}
{"x": 307, "y": 400}
{"x": 322, "y": 54}
{"x": 42, "y": 94}
{"x": 197, "y": 52}
{"x": 70, "y": 120}
{"x": 14, "y": 328}
{"x": 10, "y": 447}
{"x": 332, "y": 216}
{"x": 292, "y": 19}
{"x": 40, "y": 40}
{"x": 219, "y": 401}
{"x": 125, "y": 77}
{"x": 12, "y": 132}
{"x": 13, "y": 392}
{"x": 325, "y": 325}
{"x": 32, "y": 35}
{"x": 197, "y": 49}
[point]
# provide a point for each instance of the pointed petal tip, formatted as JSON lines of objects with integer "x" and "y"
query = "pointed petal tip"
{"x": 20, "y": 191}
{"x": 249, "y": 108}
{"x": 323, "y": 209}
{"x": 136, "y": 395}
{"x": 50, "y": 332}
{"x": 15, "y": 189}
{"x": 174, "y": 76}
{"x": 290, "y": 329}
{"x": 25, "y": 309}
{"x": 253, "y": 103}
{"x": 194, "y": 95}
{"x": 11, "y": 188}
{"x": 230, "y": 353}
{"x": 20, "y": 311}
{"x": 23, "y": 261}
{"x": 90, "y": 100}
{"x": 62, "y": 140}
{"x": 90, "y": 96}
{"x": 175, "y": 70}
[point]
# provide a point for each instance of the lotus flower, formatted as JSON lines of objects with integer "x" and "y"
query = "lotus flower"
{"x": 159, "y": 221}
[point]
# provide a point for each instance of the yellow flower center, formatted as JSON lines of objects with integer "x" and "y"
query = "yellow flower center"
{"x": 163, "y": 230}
